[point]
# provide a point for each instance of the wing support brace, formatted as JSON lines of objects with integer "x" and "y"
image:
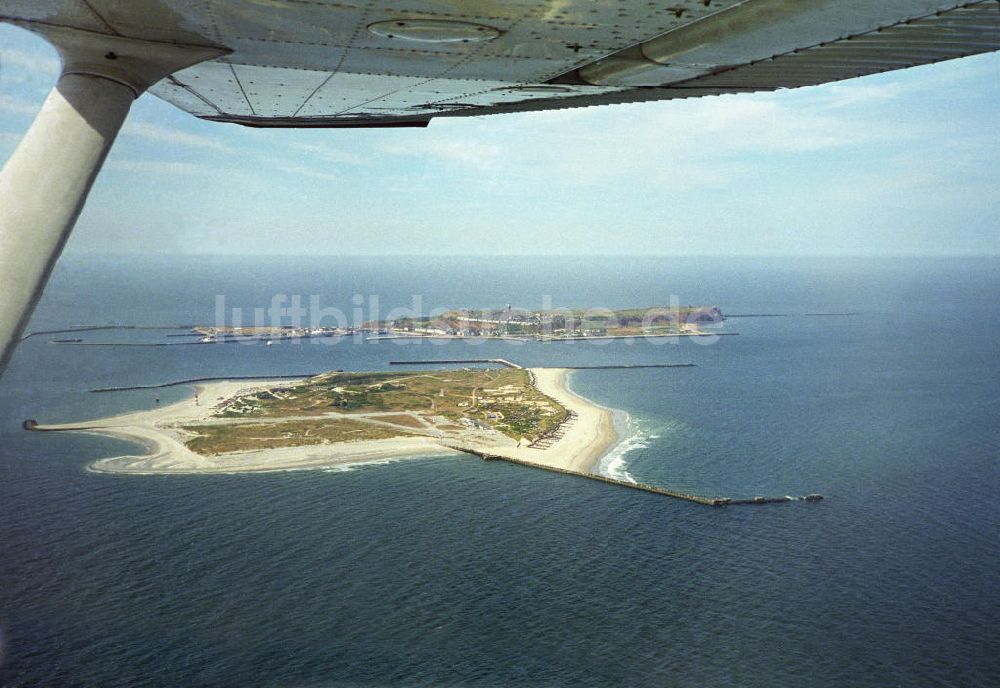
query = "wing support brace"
{"x": 45, "y": 182}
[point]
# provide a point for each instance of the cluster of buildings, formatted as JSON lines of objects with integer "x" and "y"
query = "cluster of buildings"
{"x": 239, "y": 406}
{"x": 213, "y": 334}
{"x": 250, "y": 403}
{"x": 508, "y": 322}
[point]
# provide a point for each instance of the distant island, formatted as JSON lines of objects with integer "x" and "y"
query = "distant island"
{"x": 504, "y": 323}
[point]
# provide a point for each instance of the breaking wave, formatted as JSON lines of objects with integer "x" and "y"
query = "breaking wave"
{"x": 614, "y": 464}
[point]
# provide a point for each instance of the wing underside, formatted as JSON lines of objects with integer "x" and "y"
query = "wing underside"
{"x": 317, "y": 63}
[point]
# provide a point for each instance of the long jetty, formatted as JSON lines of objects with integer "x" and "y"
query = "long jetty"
{"x": 510, "y": 364}
{"x": 97, "y": 328}
{"x": 627, "y": 366}
{"x": 496, "y": 361}
{"x": 74, "y": 342}
{"x": 791, "y": 315}
{"x": 201, "y": 342}
{"x": 460, "y": 361}
{"x": 194, "y": 380}
{"x": 643, "y": 487}
{"x": 635, "y": 336}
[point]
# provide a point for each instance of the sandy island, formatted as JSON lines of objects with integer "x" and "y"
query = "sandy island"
{"x": 585, "y": 437}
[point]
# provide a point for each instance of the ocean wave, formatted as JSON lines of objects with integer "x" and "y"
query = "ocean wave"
{"x": 384, "y": 461}
{"x": 349, "y": 467}
{"x": 614, "y": 464}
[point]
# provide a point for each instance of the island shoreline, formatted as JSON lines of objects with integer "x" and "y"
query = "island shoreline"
{"x": 589, "y": 435}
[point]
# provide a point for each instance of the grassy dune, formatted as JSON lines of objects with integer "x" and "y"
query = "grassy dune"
{"x": 386, "y": 404}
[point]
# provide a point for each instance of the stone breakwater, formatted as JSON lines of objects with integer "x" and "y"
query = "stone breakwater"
{"x": 645, "y": 487}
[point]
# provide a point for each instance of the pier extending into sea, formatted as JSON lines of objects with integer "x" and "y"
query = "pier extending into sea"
{"x": 644, "y": 487}
{"x": 195, "y": 380}
{"x": 511, "y": 364}
{"x": 461, "y": 361}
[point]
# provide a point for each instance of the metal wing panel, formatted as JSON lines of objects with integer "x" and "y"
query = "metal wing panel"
{"x": 341, "y": 93}
{"x": 352, "y": 94}
{"x": 538, "y": 41}
{"x": 316, "y": 61}
{"x": 185, "y": 98}
{"x": 275, "y": 91}
{"x": 215, "y": 83}
{"x": 961, "y": 32}
{"x": 154, "y": 21}
{"x": 72, "y": 13}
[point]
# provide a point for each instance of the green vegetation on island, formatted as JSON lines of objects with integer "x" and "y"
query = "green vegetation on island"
{"x": 543, "y": 325}
{"x": 556, "y": 324}
{"x": 341, "y": 407}
{"x": 218, "y": 439}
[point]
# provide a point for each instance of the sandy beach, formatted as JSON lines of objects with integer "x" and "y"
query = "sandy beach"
{"x": 586, "y": 436}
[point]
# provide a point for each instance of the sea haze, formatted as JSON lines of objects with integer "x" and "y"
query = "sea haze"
{"x": 877, "y": 384}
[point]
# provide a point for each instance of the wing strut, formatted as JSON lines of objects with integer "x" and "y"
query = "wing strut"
{"x": 45, "y": 183}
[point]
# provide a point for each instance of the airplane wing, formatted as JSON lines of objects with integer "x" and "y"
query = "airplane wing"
{"x": 402, "y": 62}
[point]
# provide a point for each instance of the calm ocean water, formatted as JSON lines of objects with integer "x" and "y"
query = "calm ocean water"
{"x": 449, "y": 571}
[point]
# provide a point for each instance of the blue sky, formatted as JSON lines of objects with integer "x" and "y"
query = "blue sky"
{"x": 896, "y": 164}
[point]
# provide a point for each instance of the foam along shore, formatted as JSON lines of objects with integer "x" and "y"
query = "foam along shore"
{"x": 586, "y": 436}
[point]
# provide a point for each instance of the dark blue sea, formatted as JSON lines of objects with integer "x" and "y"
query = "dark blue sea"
{"x": 876, "y": 383}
